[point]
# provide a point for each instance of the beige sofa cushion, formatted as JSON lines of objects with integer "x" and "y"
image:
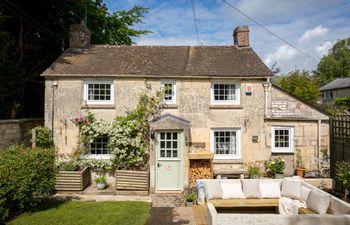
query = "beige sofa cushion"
{"x": 212, "y": 189}
{"x": 251, "y": 188}
{"x": 231, "y": 188}
{"x": 270, "y": 188}
{"x": 305, "y": 191}
{"x": 291, "y": 189}
{"x": 318, "y": 201}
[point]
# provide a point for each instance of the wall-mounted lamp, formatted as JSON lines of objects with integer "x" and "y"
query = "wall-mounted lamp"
{"x": 153, "y": 134}
{"x": 255, "y": 139}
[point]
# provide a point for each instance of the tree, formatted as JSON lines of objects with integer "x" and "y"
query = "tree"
{"x": 335, "y": 64}
{"x": 299, "y": 83}
{"x": 34, "y": 33}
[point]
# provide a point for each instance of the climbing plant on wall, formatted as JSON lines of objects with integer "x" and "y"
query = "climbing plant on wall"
{"x": 128, "y": 136}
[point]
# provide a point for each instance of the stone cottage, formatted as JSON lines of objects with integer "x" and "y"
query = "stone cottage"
{"x": 218, "y": 96}
{"x": 339, "y": 87}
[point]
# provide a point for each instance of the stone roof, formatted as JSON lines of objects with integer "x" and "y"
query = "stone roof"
{"x": 192, "y": 61}
{"x": 342, "y": 82}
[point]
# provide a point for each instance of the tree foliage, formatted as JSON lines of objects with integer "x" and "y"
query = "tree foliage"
{"x": 299, "y": 83}
{"x": 34, "y": 33}
{"x": 335, "y": 64}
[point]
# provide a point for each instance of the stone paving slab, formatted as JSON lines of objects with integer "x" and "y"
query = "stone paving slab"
{"x": 171, "y": 216}
{"x": 167, "y": 200}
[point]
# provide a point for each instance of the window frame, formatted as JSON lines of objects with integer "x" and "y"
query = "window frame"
{"x": 173, "y": 83}
{"x": 86, "y": 92}
{"x": 89, "y": 155}
{"x": 238, "y": 143}
{"x": 237, "y": 101}
{"x": 290, "y": 149}
{"x": 329, "y": 95}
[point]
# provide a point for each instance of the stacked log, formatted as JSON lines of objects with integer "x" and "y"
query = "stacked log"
{"x": 199, "y": 169}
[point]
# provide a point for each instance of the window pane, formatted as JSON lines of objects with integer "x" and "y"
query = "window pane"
{"x": 162, "y": 136}
{"x": 168, "y": 136}
{"x": 99, "y": 146}
{"x": 162, "y": 153}
{"x": 174, "y": 153}
{"x": 168, "y": 144}
{"x": 175, "y": 144}
{"x": 174, "y": 136}
{"x": 168, "y": 153}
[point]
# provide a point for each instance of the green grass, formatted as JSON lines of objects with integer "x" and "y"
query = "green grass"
{"x": 82, "y": 213}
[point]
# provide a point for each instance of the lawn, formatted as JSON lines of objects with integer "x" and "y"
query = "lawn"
{"x": 82, "y": 213}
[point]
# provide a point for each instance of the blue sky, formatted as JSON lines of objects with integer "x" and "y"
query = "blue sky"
{"x": 311, "y": 25}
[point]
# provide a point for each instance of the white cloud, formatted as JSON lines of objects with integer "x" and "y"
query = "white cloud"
{"x": 312, "y": 35}
{"x": 283, "y": 54}
{"x": 324, "y": 48}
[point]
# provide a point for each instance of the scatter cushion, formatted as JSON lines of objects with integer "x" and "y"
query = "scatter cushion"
{"x": 270, "y": 188}
{"x": 212, "y": 189}
{"x": 291, "y": 189}
{"x": 251, "y": 188}
{"x": 305, "y": 191}
{"x": 318, "y": 201}
{"x": 231, "y": 189}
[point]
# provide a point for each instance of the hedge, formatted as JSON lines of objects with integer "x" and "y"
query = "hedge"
{"x": 26, "y": 177}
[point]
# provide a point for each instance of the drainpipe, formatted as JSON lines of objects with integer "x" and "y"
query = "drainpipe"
{"x": 54, "y": 84}
{"x": 266, "y": 85}
{"x": 318, "y": 141}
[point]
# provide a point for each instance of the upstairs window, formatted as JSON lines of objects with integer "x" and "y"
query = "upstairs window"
{"x": 225, "y": 93}
{"x": 282, "y": 139}
{"x": 98, "y": 92}
{"x": 169, "y": 88}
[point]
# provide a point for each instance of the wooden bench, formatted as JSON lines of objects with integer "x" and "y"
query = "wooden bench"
{"x": 305, "y": 211}
{"x": 246, "y": 203}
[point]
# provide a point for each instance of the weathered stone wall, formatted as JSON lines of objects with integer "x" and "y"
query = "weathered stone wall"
{"x": 16, "y": 131}
{"x": 193, "y": 104}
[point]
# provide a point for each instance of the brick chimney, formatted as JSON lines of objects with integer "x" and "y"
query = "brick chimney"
{"x": 79, "y": 36}
{"x": 241, "y": 36}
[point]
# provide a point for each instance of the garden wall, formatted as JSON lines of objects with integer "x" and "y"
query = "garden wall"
{"x": 16, "y": 131}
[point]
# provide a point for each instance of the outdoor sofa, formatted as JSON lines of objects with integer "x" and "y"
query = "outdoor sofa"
{"x": 292, "y": 201}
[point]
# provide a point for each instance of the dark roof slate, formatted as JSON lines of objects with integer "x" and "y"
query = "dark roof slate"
{"x": 342, "y": 82}
{"x": 109, "y": 60}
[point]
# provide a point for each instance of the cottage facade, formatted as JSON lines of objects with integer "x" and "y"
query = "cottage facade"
{"x": 218, "y": 96}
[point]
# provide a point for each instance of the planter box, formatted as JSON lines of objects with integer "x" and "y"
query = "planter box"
{"x": 73, "y": 180}
{"x": 132, "y": 182}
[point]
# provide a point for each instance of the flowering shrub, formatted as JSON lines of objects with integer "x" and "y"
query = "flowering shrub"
{"x": 276, "y": 166}
{"x": 253, "y": 170}
{"x": 128, "y": 136}
{"x": 105, "y": 165}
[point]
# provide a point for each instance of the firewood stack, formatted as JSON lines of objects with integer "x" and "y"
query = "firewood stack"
{"x": 199, "y": 169}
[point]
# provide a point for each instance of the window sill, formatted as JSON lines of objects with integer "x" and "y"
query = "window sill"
{"x": 170, "y": 106}
{"x": 225, "y": 107}
{"x": 101, "y": 157}
{"x": 97, "y": 106}
{"x": 228, "y": 161}
{"x": 282, "y": 152}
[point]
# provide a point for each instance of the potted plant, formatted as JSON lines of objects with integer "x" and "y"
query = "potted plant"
{"x": 300, "y": 169}
{"x": 101, "y": 182}
{"x": 276, "y": 167}
{"x": 253, "y": 171}
{"x": 190, "y": 196}
{"x": 72, "y": 176}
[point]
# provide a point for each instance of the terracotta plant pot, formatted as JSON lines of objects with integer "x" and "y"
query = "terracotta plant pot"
{"x": 300, "y": 172}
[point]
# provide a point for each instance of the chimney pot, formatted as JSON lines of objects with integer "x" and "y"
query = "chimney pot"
{"x": 241, "y": 36}
{"x": 79, "y": 36}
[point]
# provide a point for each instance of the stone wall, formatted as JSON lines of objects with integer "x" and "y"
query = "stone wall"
{"x": 193, "y": 104}
{"x": 16, "y": 131}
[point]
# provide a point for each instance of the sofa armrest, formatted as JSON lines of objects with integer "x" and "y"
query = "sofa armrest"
{"x": 305, "y": 211}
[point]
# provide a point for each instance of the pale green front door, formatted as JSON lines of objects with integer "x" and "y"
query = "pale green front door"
{"x": 169, "y": 161}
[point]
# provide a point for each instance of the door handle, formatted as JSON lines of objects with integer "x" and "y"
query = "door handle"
{"x": 158, "y": 164}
